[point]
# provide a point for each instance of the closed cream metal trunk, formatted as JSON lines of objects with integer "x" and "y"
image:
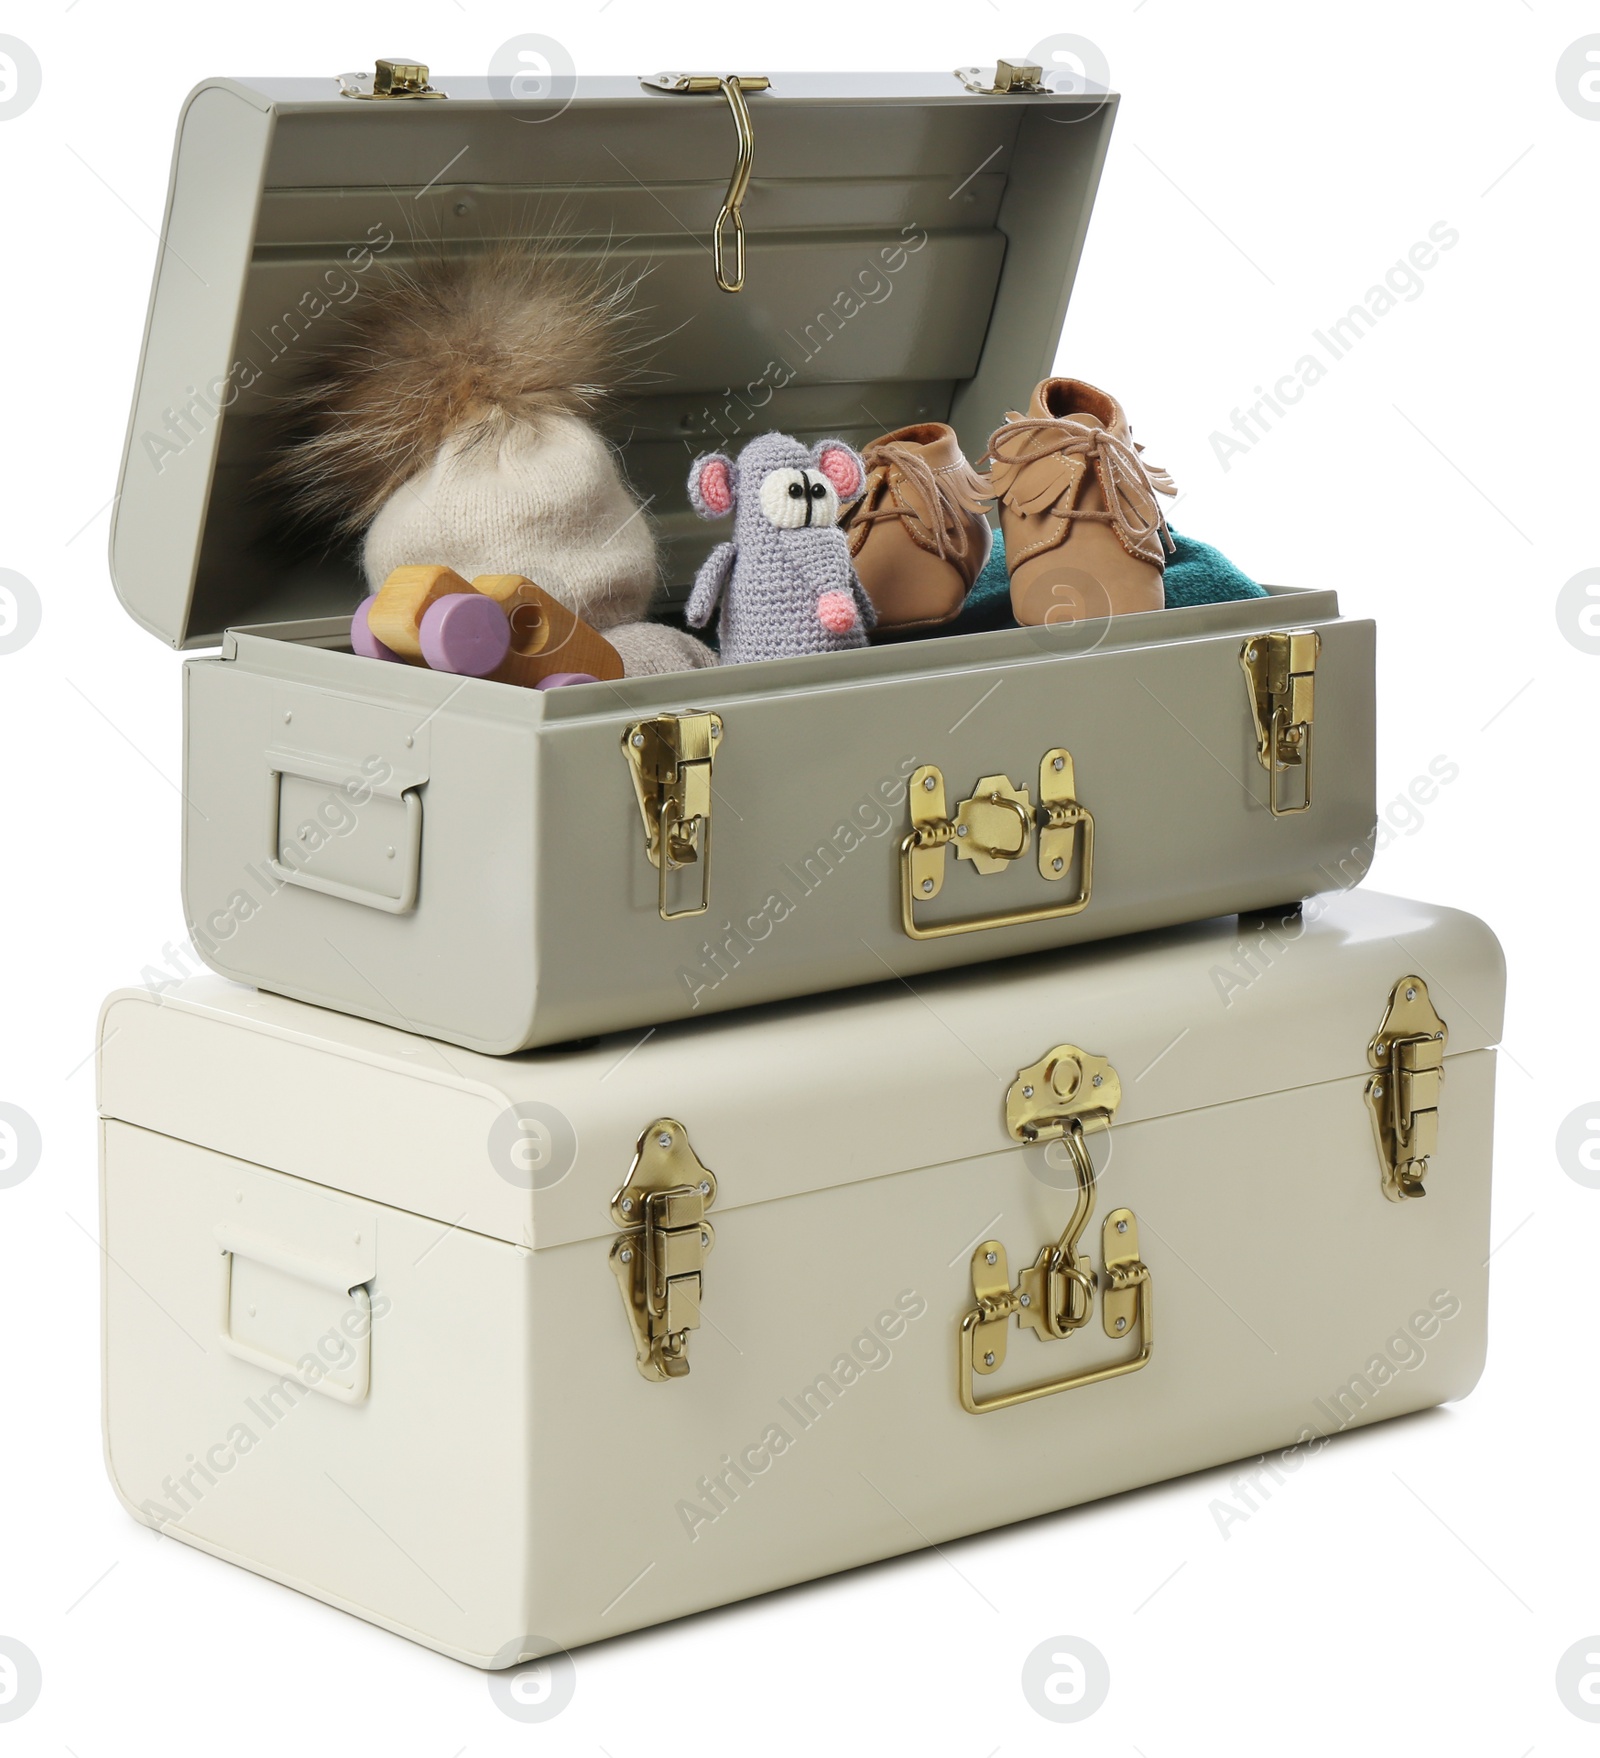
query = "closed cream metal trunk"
{"x": 470, "y": 860}
{"x": 366, "y": 1329}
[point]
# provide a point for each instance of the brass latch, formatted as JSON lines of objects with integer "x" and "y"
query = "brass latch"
{"x": 1069, "y": 1086}
{"x": 391, "y": 79}
{"x": 1065, "y": 1096}
{"x": 659, "y": 1261}
{"x": 1280, "y": 676}
{"x": 733, "y": 87}
{"x": 1403, "y": 1094}
{"x": 993, "y": 828}
{"x": 670, "y": 759}
{"x": 1006, "y": 77}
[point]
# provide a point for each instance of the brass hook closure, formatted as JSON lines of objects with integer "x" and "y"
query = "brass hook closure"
{"x": 733, "y": 87}
{"x": 733, "y": 201}
{"x": 1055, "y": 1297}
{"x": 1066, "y": 1281}
{"x": 1065, "y": 1095}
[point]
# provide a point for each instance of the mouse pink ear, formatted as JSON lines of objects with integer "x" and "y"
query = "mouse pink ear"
{"x": 841, "y": 466}
{"x": 711, "y": 485}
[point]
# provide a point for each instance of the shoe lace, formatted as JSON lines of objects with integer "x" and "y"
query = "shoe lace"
{"x": 1132, "y": 484}
{"x": 941, "y": 501}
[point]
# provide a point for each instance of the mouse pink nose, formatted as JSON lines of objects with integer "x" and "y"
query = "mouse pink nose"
{"x": 836, "y": 611}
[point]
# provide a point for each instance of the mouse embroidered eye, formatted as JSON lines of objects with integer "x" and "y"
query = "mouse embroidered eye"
{"x": 791, "y": 499}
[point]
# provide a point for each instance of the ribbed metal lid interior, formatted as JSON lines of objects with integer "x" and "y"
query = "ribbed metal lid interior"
{"x": 911, "y": 249}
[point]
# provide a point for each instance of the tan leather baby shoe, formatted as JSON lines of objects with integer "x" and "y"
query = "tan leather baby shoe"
{"x": 1083, "y": 531}
{"x": 918, "y": 535}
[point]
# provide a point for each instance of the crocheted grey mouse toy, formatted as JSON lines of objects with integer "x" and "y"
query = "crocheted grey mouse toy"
{"x": 785, "y": 582}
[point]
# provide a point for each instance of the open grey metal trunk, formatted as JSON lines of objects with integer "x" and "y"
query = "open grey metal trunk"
{"x": 481, "y": 863}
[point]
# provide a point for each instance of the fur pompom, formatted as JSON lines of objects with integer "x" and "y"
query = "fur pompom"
{"x": 457, "y": 350}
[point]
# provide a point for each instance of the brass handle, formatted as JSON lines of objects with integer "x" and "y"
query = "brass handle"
{"x": 1046, "y": 912}
{"x": 1054, "y": 1298}
{"x": 935, "y": 833}
{"x": 1089, "y": 1376}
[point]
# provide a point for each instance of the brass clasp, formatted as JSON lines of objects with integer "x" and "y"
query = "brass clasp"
{"x": 1280, "y": 676}
{"x": 733, "y": 87}
{"x": 391, "y": 78}
{"x": 1004, "y": 79}
{"x": 1067, "y": 1087}
{"x": 1055, "y": 1297}
{"x": 991, "y": 829}
{"x": 659, "y": 1261}
{"x": 1066, "y": 1095}
{"x": 1407, "y": 1054}
{"x": 670, "y": 759}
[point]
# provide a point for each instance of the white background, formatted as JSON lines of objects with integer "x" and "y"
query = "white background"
{"x": 1269, "y": 164}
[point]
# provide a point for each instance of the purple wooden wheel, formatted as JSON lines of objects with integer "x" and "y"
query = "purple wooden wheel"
{"x": 558, "y": 680}
{"x": 362, "y": 638}
{"x": 466, "y": 633}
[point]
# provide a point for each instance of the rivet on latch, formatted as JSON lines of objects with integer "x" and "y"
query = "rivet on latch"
{"x": 1059, "y": 763}
{"x": 705, "y": 1189}
{"x": 927, "y": 885}
{"x": 1027, "y": 1300}
{"x": 988, "y": 1257}
{"x": 664, "y": 1139}
{"x": 1122, "y": 1324}
{"x": 627, "y": 1205}
{"x": 637, "y": 740}
{"x": 988, "y": 1360}
{"x": 1027, "y": 1093}
{"x": 627, "y": 1256}
{"x": 928, "y": 784}
{"x": 1057, "y": 864}
{"x": 1099, "y": 1080}
{"x": 1122, "y": 1226}
{"x": 1411, "y": 994}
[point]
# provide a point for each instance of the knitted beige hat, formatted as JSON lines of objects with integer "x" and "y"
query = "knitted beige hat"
{"x": 545, "y": 501}
{"x": 449, "y": 420}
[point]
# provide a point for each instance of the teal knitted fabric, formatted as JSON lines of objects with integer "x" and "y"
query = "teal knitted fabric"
{"x": 1196, "y": 573}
